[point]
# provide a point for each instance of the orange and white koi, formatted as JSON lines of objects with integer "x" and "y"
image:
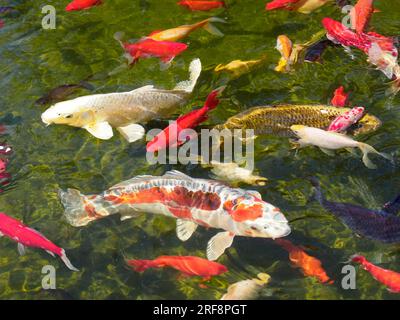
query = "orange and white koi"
{"x": 310, "y": 266}
{"x": 181, "y": 32}
{"x": 192, "y": 202}
{"x": 285, "y": 46}
{"x": 346, "y": 120}
{"x": 389, "y": 278}
{"x": 302, "y": 6}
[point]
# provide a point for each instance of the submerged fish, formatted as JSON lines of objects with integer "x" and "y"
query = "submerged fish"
{"x": 191, "y": 201}
{"x": 382, "y": 225}
{"x": 389, "y": 278}
{"x": 361, "y": 14}
{"x": 314, "y": 53}
{"x": 200, "y": 5}
{"x": 82, "y": 4}
{"x": 5, "y": 149}
{"x": 346, "y": 120}
{"x": 310, "y": 266}
{"x": 99, "y": 113}
{"x": 238, "y": 68}
{"x": 247, "y": 289}
{"x": 25, "y": 236}
{"x": 340, "y": 97}
{"x": 170, "y": 136}
{"x": 188, "y": 265}
{"x": 285, "y": 46}
{"x": 62, "y": 92}
{"x": 181, "y": 32}
{"x": 327, "y": 141}
{"x": 302, "y": 6}
{"x": 278, "y": 119}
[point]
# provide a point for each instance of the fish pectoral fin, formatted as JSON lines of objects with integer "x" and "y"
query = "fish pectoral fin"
{"x": 132, "y": 132}
{"x": 101, "y": 130}
{"x": 21, "y": 249}
{"x": 217, "y": 244}
{"x": 50, "y": 253}
{"x": 327, "y": 152}
{"x": 185, "y": 229}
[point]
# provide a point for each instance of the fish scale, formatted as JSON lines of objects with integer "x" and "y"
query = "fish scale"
{"x": 278, "y": 119}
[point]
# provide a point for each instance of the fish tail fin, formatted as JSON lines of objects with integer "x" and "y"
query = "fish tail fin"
{"x": 317, "y": 194}
{"x": 66, "y": 261}
{"x": 367, "y": 149}
{"x": 394, "y": 86}
{"x": 79, "y": 209}
{"x": 209, "y": 27}
{"x": 195, "y": 70}
{"x": 141, "y": 265}
{"x": 212, "y": 100}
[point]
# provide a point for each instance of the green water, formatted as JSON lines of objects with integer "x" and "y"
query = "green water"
{"x": 33, "y": 61}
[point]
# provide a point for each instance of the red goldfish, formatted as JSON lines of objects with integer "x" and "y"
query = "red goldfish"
{"x": 202, "y": 5}
{"x": 169, "y": 136}
{"x": 166, "y": 51}
{"x": 361, "y": 14}
{"x": 26, "y": 236}
{"x": 340, "y": 97}
{"x": 81, "y": 4}
{"x": 309, "y": 265}
{"x": 346, "y": 120}
{"x": 302, "y": 6}
{"x": 188, "y": 265}
{"x": 388, "y": 278}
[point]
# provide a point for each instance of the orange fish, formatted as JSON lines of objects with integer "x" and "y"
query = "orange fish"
{"x": 340, "y": 97}
{"x": 181, "y": 32}
{"x": 310, "y": 266}
{"x": 188, "y": 265}
{"x": 361, "y": 14}
{"x": 202, "y": 5}
{"x": 390, "y": 279}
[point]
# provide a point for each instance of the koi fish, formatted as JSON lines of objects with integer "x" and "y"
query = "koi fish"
{"x": 62, "y": 92}
{"x": 382, "y": 225}
{"x": 123, "y": 110}
{"x": 170, "y": 135}
{"x": 191, "y": 201}
{"x": 388, "y": 278}
{"x": 237, "y": 68}
{"x": 199, "y": 5}
{"x": 361, "y": 14}
{"x": 284, "y": 46}
{"x": 25, "y": 236}
{"x": 345, "y": 121}
{"x": 82, "y": 4}
{"x": 340, "y": 97}
{"x": 188, "y": 265}
{"x": 314, "y": 53}
{"x": 328, "y": 141}
{"x": 247, "y": 289}
{"x": 310, "y": 266}
{"x": 181, "y": 32}
{"x": 302, "y": 6}
{"x": 146, "y": 48}
{"x": 233, "y": 174}
{"x": 5, "y": 149}
{"x": 278, "y": 119}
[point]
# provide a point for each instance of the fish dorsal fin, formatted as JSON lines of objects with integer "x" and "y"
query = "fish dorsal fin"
{"x": 177, "y": 174}
{"x": 185, "y": 229}
{"x": 136, "y": 179}
{"x": 145, "y": 88}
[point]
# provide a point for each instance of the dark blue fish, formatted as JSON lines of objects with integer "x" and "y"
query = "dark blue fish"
{"x": 382, "y": 225}
{"x": 5, "y": 10}
{"x": 315, "y": 52}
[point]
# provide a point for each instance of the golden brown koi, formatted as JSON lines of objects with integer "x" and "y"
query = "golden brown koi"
{"x": 238, "y": 68}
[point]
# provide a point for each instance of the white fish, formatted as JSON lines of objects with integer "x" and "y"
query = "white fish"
{"x": 99, "y": 113}
{"x": 247, "y": 289}
{"x": 327, "y": 141}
